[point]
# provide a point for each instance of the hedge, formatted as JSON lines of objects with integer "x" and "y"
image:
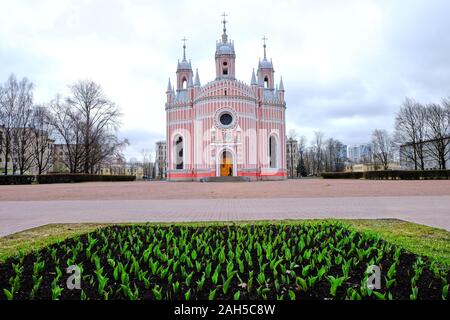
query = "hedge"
{"x": 80, "y": 177}
{"x": 61, "y": 178}
{"x": 391, "y": 175}
{"x": 13, "y": 179}
{"x": 342, "y": 175}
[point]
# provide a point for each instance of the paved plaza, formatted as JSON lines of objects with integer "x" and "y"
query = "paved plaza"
{"x": 23, "y": 207}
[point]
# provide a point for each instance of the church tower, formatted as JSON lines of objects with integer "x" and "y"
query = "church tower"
{"x": 225, "y": 127}
{"x": 225, "y": 56}
{"x": 184, "y": 71}
{"x": 266, "y": 71}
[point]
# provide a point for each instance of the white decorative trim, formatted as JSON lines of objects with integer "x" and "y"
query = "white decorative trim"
{"x": 272, "y": 121}
{"x": 175, "y": 123}
{"x": 274, "y": 134}
{"x": 219, "y": 112}
{"x": 218, "y": 157}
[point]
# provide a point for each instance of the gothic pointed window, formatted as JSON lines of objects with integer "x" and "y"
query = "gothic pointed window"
{"x": 273, "y": 151}
{"x": 178, "y": 155}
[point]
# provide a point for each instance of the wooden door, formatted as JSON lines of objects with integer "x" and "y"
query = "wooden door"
{"x": 226, "y": 165}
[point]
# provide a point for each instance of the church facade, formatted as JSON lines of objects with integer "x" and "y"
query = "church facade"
{"x": 226, "y": 127}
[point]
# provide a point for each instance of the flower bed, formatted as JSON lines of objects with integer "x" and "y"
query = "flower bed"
{"x": 281, "y": 261}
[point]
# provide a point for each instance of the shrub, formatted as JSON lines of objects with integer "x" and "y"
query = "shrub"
{"x": 342, "y": 175}
{"x": 391, "y": 175}
{"x": 80, "y": 177}
{"x": 12, "y": 179}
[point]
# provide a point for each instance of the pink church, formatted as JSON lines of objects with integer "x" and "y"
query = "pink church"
{"x": 226, "y": 127}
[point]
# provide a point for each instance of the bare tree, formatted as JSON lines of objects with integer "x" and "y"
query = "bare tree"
{"x": 147, "y": 161}
{"x": 317, "y": 149}
{"x": 106, "y": 146}
{"x": 69, "y": 130}
{"x": 7, "y": 112}
{"x": 99, "y": 118}
{"x": 438, "y": 133}
{"x": 23, "y": 133}
{"x": 333, "y": 157}
{"x": 3, "y": 120}
{"x": 410, "y": 128}
{"x": 382, "y": 148}
{"x": 301, "y": 167}
{"x": 41, "y": 139}
{"x": 15, "y": 109}
{"x": 292, "y": 141}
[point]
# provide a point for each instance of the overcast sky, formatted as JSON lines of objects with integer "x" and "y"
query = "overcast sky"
{"x": 346, "y": 65}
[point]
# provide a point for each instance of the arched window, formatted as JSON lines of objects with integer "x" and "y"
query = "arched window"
{"x": 273, "y": 151}
{"x": 178, "y": 154}
{"x": 184, "y": 83}
{"x": 266, "y": 82}
{"x": 225, "y": 68}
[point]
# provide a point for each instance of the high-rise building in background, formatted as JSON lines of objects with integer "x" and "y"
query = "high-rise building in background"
{"x": 360, "y": 153}
{"x": 292, "y": 157}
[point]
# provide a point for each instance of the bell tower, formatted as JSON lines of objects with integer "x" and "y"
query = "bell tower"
{"x": 225, "y": 55}
{"x": 184, "y": 70}
{"x": 265, "y": 70}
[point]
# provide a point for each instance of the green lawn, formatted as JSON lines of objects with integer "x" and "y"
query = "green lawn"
{"x": 418, "y": 239}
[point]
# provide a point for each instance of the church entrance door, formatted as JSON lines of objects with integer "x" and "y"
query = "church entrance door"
{"x": 226, "y": 164}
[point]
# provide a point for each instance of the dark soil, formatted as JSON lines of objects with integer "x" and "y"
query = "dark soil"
{"x": 110, "y": 241}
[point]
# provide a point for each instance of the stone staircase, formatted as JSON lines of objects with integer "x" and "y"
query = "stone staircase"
{"x": 225, "y": 179}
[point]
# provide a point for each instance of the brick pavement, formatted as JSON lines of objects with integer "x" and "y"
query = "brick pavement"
{"x": 20, "y": 215}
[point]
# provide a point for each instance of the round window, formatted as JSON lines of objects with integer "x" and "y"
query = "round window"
{"x": 226, "y": 119}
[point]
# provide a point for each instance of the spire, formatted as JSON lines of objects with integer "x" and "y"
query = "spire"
{"x": 253, "y": 82}
{"x": 197, "y": 79}
{"x": 224, "y": 35}
{"x": 169, "y": 87}
{"x": 265, "y": 64}
{"x": 264, "y": 39}
{"x": 281, "y": 84}
{"x": 184, "y": 48}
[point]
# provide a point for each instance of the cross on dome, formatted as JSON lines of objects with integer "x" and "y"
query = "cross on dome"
{"x": 224, "y": 21}
{"x": 224, "y": 35}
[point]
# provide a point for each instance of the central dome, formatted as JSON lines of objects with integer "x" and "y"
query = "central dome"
{"x": 265, "y": 64}
{"x": 225, "y": 49}
{"x": 184, "y": 65}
